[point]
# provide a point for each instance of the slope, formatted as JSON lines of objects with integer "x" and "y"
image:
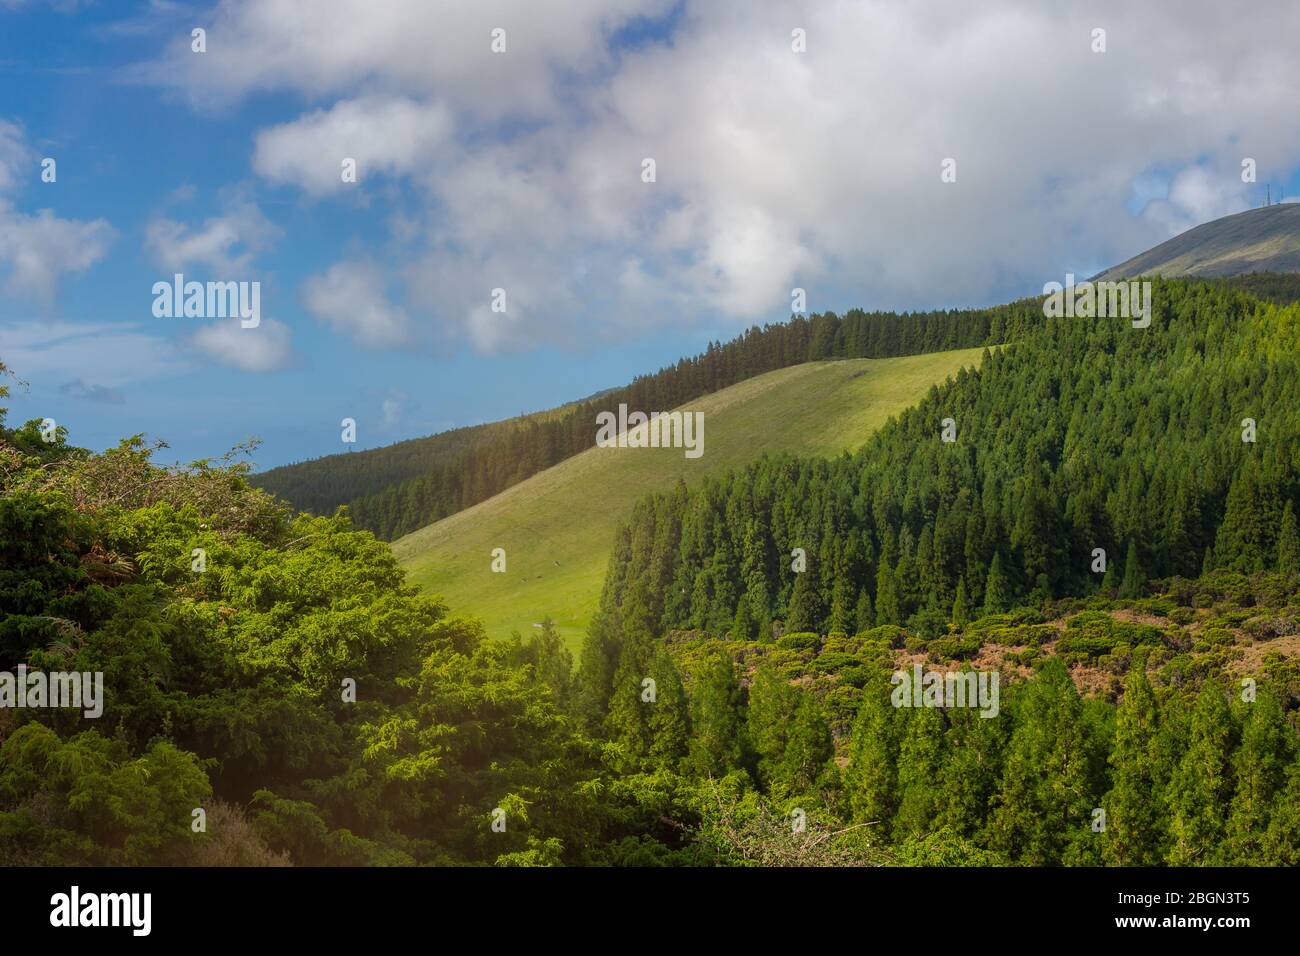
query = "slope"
{"x": 1258, "y": 240}
{"x": 557, "y": 527}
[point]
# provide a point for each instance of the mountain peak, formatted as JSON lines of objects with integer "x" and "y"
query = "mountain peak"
{"x": 1266, "y": 239}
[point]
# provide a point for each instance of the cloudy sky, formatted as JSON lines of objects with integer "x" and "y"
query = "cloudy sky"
{"x": 793, "y": 145}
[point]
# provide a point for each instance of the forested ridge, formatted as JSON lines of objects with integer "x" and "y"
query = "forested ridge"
{"x": 398, "y": 489}
{"x": 1082, "y": 434}
{"x": 321, "y": 711}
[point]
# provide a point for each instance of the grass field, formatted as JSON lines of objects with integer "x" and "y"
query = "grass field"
{"x": 557, "y": 528}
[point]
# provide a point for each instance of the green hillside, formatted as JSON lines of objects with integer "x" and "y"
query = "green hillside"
{"x": 557, "y": 527}
{"x": 401, "y": 488}
{"x": 1258, "y": 240}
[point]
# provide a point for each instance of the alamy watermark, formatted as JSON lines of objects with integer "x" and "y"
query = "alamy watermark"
{"x": 656, "y": 430}
{"x": 952, "y": 689}
{"x": 84, "y": 690}
{"x": 1086, "y": 300}
{"x": 208, "y": 300}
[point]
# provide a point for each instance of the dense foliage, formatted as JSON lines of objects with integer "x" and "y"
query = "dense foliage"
{"x": 1084, "y": 434}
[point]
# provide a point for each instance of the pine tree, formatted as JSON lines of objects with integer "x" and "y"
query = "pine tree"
{"x": 971, "y": 770}
{"x": 871, "y": 778}
{"x": 809, "y": 748}
{"x": 628, "y": 721}
{"x": 744, "y": 627}
{"x": 1133, "y": 577}
{"x": 865, "y": 617}
{"x": 804, "y": 612}
{"x": 1280, "y": 845}
{"x": 1044, "y": 804}
{"x": 995, "y": 588}
{"x": 920, "y": 759}
{"x": 1201, "y": 787}
{"x": 1288, "y": 542}
{"x": 772, "y": 704}
{"x": 842, "y": 606}
{"x": 887, "y": 610}
{"x": 1134, "y": 833}
{"x": 719, "y": 743}
{"x": 960, "y": 610}
{"x": 669, "y": 718}
{"x": 1268, "y": 746}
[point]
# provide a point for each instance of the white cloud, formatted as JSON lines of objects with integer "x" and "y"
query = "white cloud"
{"x": 261, "y": 349}
{"x": 774, "y": 169}
{"x": 351, "y": 298}
{"x": 36, "y": 251}
{"x": 226, "y": 244}
{"x": 333, "y": 47}
{"x": 392, "y": 136}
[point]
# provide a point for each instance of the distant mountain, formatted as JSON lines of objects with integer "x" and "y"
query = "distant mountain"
{"x": 1258, "y": 240}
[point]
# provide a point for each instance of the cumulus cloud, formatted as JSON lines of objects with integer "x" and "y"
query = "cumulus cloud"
{"x": 261, "y": 349}
{"x": 774, "y": 169}
{"x": 385, "y": 136}
{"x": 351, "y": 298}
{"x": 36, "y": 251}
{"x": 336, "y": 46}
{"x": 226, "y": 244}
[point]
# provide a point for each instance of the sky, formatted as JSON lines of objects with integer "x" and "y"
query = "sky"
{"x": 506, "y": 247}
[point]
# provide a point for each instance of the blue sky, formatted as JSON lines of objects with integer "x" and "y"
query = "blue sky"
{"x": 523, "y": 170}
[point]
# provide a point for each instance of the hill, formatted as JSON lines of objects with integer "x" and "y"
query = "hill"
{"x": 1170, "y": 448}
{"x": 395, "y": 490}
{"x": 1258, "y": 240}
{"x": 558, "y": 526}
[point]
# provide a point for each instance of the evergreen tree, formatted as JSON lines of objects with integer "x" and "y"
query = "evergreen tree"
{"x": 669, "y": 717}
{"x": 1268, "y": 747}
{"x": 995, "y": 588}
{"x": 772, "y": 705}
{"x": 1280, "y": 845}
{"x": 865, "y": 618}
{"x": 744, "y": 627}
{"x": 1044, "y": 804}
{"x": 887, "y": 609}
{"x": 960, "y": 609}
{"x": 1133, "y": 577}
{"x": 1288, "y": 542}
{"x": 628, "y": 721}
{"x": 805, "y": 612}
{"x": 809, "y": 750}
{"x": 1134, "y": 833}
{"x": 1201, "y": 787}
{"x": 971, "y": 770}
{"x": 871, "y": 778}
{"x": 843, "y": 606}
{"x": 920, "y": 759}
{"x": 719, "y": 743}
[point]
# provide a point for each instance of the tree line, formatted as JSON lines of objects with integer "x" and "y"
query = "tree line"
{"x": 395, "y": 490}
